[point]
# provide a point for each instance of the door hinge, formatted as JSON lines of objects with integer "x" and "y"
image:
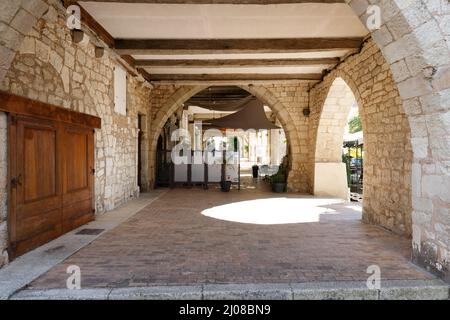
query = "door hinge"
{"x": 93, "y": 171}
{"x": 16, "y": 181}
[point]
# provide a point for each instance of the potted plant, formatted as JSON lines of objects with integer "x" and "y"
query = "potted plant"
{"x": 225, "y": 186}
{"x": 255, "y": 170}
{"x": 278, "y": 182}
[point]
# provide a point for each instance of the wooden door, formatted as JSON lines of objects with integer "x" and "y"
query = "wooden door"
{"x": 52, "y": 180}
{"x": 78, "y": 176}
{"x": 35, "y": 169}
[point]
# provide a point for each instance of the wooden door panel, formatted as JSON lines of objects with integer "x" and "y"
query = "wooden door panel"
{"x": 52, "y": 166}
{"x": 40, "y": 163}
{"x": 50, "y": 157}
{"x": 78, "y": 214}
{"x": 37, "y": 210}
{"x": 78, "y": 177}
{"x": 39, "y": 223}
{"x": 77, "y": 161}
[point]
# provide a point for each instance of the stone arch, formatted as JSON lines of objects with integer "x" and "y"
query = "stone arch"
{"x": 183, "y": 94}
{"x": 387, "y": 138}
{"x": 414, "y": 41}
{"x": 174, "y": 102}
{"x": 333, "y": 120}
{"x": 346, "y": 90}
{"x": 330, "y": 177}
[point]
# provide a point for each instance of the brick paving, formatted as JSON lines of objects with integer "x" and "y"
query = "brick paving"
{"x": 171, "y": 243}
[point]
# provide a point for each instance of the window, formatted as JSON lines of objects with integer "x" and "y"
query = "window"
{"x": 120, "y": 91}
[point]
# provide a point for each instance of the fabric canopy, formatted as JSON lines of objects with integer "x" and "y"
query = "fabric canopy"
{"x": 251, "y": 116}
{"x": 223, "y": 105}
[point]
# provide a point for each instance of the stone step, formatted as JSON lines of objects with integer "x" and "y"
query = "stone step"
{"x": 343, "y": 290}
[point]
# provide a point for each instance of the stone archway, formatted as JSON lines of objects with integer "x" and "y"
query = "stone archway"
{"x": 332, "y": 122}
{"x": 181, "y": 95}
{"x": 330, "y": 177}
{"x": 169, "y": 106}
{"x": 387, "y": 137}
{"x": 414, "y": 42}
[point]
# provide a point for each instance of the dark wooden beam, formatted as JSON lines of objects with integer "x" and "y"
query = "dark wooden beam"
{"x": 259, "y": 2}
{"x": 129, "y": 59}
{"x": 144, "y": 74}
{"x": 200, "y": 46}
{"x": 233, "y": 77}
{"x": 26, "y": 107}
{"x": 236, "y": 63}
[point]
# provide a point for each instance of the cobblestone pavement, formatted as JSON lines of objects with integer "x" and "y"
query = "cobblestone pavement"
{"x": 172, "y": 243}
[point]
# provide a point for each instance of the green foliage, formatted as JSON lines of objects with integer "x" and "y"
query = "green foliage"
{"x": 281, "y": 175}
{"x": 355, "y": 125}
{"x": 278, "y": 178}
{"x": 346, "y": 158}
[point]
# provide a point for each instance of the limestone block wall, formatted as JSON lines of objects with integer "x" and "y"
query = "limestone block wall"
{"x": 414, "y": 39}
{"x": 48, "y": 67}
{"x": 388, "y": 151}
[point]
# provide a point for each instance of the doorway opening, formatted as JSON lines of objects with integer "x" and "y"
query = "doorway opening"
{"x": 339, "y": 146}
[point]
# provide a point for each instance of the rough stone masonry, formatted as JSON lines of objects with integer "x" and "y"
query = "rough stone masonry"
{"x": 49, "y": 67}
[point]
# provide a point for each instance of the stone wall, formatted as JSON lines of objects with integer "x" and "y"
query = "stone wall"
{"x": 415, "y": 40}
{"x": 48, "y": 67}
{"x": 387, "y": 143}
{"x": 287, "y": 101}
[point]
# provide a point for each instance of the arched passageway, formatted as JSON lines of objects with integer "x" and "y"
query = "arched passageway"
{"x": 330, "y": 176}
{"x": 411, "y": 177}
{"x": 182, "y": 95}
{"x": 387, "y": 136}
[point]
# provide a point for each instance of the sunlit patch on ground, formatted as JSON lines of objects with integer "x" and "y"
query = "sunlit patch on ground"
{"x": 273, "y": 210}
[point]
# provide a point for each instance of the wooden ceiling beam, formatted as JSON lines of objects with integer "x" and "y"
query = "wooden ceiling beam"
{"x": 211, "y": 46}
{"x": 232, "y": 77}
{"x": 237, "y": 2}
{"x": 237, "y": 63}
